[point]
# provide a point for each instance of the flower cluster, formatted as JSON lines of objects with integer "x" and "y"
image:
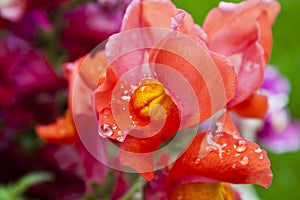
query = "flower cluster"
{"x": 162, "y": 96}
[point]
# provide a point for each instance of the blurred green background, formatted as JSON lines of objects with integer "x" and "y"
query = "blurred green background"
{"x": 286, "y": 57}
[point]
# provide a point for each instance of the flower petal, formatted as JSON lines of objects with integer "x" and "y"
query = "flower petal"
{"x": 185, "y": 66}
{"x": 230, "y": 27}
{"x": 60, "y": 132}
{"x": 255, "y": 106}
{"x": 229, "y": 159}
{"x": 243, "y": 31}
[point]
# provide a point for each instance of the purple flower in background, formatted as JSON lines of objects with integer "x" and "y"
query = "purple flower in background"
{"x": 279, "y": 133}
{"x": 27, "y": 85}
{"x": 29, "y": 27}
{"x": 91, "y": 23}
{"x": 156, "y": 189}
{"x": 14, "y": 10}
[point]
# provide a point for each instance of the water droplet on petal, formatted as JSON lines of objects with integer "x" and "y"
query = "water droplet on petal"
{"x": 119, "y": 133}
{"x": 197, "y": 160}
{"x": 234, "y": 165}
{"x": 237, "y": 155}
{"x": 240, "y": 146}
{"x": 114, "y": 127}
{"x": 105, "y": 130}
{"x": 125, "y": 98}
{"x": 245, "y": 160}
{"x": 261, "y": 156}
{"x": 120, "y": 139}
{"x": 258, "y": 150}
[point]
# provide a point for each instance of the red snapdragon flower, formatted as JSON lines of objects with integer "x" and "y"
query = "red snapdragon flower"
{"x": 253, "y": 51}
{"x": 162, "y": 73}
{"x": 134, "y": 100}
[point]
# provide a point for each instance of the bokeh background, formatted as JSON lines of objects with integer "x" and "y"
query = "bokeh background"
{"x": 285, "y": 57}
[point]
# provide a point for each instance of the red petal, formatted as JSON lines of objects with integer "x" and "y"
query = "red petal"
{"x": 197, "y": 80}
{"x": 255, "y": 106}
{"x": 226, "y": 125}
{"x": 243, "y": 30}
{"x": 148, "y": 14}
{"x": 144, "y": 24}
{"x": 228, "y": 74}
{"x": 162, "y": 14}
{"x": 60, "y": 132}
{"x": 239, "y": 162}
{"x": 137, "y": 153}
{"x": 231, "y": 27}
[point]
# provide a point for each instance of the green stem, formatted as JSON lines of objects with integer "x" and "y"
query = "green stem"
{"x": 133, "y": 189}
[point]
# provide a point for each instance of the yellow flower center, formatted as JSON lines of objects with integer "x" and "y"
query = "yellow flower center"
{"x": 203, "y": 191}
{"x": 150, "y": 103}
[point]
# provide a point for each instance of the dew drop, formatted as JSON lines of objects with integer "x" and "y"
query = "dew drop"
{"x": 240, "y": 146}
{"x": 119, "y": 133}
{"x": 125, "y": 97}
{"x": 245, "y": 160}
{"x": 258, "y": 150}
{"x": 197, "y": 160}
{"x": 120, "y": 139}
{"x": 237, "y": 155}
{"x": 234, "y": 165}
{"x": 114, "y": 127}
{"x": 105, "y": 130}
{"x": 261, "y": 156}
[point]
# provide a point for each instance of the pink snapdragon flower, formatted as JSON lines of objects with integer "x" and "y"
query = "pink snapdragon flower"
{"x": 279, "y": 132}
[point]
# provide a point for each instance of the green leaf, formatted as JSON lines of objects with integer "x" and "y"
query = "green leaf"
{"x": 14, "y": 191}
{"x": 30, "y": 179}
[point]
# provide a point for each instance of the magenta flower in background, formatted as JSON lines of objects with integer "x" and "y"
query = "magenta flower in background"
{"x": 279, "y": 133}
{"x": 91, "y": 23}
{"x": 14, "y": 10}
{"x": 27, "y": 85}
{"x": 31, "y": 25}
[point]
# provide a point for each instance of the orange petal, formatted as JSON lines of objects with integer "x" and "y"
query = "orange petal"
{"x": 230, "y": 27}
{"x": 225, "y": 124}
{"x": 137, "y": 153}
{"x": 228, "y": 159}
{"x": 255, "y": 106}
{"x": 243, "y": 31}
{"x": 228, "y": 74}
{"x": 60, "y": 132}
{"x": 160, "y": 14}
{"x": 187, "y": 69}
